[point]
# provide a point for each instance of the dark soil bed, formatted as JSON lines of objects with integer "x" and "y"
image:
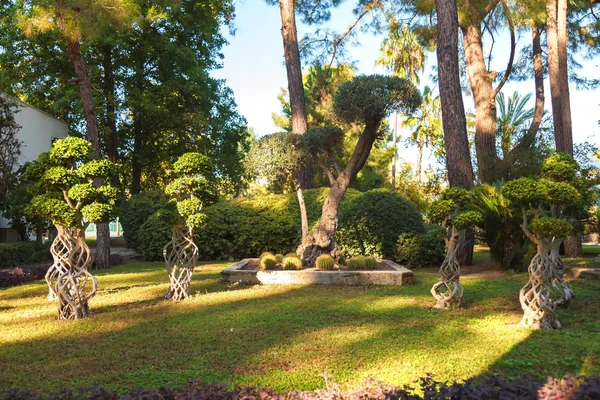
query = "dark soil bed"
{"x": 381, "y": 266}
{"x": 22, "y": 274}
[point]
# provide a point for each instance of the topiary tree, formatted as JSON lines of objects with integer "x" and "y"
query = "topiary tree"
{"x": 194, "y": 188}
{"x": 72, "y": 201}
{"x": 450, "y": 212}
{"x": 546, "y": 205}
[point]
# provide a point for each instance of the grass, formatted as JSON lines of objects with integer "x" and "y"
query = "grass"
{"x": 284, "y": 337}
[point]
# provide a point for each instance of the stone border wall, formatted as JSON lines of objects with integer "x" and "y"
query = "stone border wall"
{"x": 237, "y": 274}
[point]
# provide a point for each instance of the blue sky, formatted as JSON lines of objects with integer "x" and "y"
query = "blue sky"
{"x": 253, "y": 68}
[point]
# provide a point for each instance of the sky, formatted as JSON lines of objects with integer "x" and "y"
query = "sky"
{"x": 253, "y": 67}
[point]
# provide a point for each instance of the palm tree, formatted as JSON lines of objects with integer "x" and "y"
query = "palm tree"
{"x": 428, "y": 122}
{"x": 513, "y": 118}
{"x": 402, "y": 55}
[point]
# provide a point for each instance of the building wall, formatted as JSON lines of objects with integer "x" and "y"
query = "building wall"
{"x": 38, "y": 131}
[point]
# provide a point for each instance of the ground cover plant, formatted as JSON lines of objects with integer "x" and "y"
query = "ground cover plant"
{"x": 284, "y": 337}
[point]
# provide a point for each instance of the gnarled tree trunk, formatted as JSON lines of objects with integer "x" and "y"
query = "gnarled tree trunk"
{"x": 448, "y": 291}
{"x": 181, "y": 255}
{"x": 558, "y": 279}
{"x": 68, "y": 279}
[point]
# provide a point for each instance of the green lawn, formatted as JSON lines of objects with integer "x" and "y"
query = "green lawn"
{"x": 284, "y": 337}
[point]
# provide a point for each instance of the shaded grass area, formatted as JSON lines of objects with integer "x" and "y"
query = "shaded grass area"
{"x": 284, "y": 337}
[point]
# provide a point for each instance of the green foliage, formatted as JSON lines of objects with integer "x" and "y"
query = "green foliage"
{"x": 458, "y": 196}
{"x": 372, "y": 223}
{"x": 422, "y": 250}
{"x": 68, "y": 173}
{"x": 10, "y": 145}
{"x": 323, "y": 139}
{"x": 560, "y": 167}
{"x": 523, "y": 191}
{"x": 19, "y": 253}
{"x": 193, "y": 189}
{"x": 292, "y": 262}
{"x": 440, "y": 210}
{"x": 466, "y": 219}
{"x": 276, "y": 157}
{"x": 370, "y": 262}
{"x": 356, "y": 263}
{"x": 325, "y": 262}
{"x": 551, "y": 227}
{"x": 154, "y": 233}
{"x": 267, "y": 261}
{"x": 370, "y": 98}
{"x": 559, "y": 192}
{"x": 136, "y": 211}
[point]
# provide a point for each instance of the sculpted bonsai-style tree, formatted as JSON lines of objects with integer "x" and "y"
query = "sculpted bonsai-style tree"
{"x": 546, "y": 205}
{"x": 194, "y": 188}
{"x": 362, "y": 103}
{"x": 72, "y": 201}
{"x": 450, "y": 212}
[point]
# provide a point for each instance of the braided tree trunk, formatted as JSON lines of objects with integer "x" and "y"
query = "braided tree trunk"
{"x": 181, "y": 255}
{"x": 448, "y": 291}
{"x": 68, "y": 278}
{"x": 536, "y": 302}
{"x": 558, "y": 280}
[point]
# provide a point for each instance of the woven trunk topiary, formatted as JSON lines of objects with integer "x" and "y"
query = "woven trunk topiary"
{"x": 181, "y": 256}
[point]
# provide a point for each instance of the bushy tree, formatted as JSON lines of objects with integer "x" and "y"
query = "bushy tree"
{"x": 72, "y": 201}
{"x": 10, "y": 147}
{"x": 546, "y": 206}
{"x": 452, "y": 214}
{"x": 194, "y": 188}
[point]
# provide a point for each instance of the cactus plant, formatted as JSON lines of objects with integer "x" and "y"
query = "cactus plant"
{"x": 325, "y": 262}
{"x": 356, "y": 263}
{"x": 292, "y": 261}
{"x": 264, "y": 254}
{"x": 370, "y": 262}
{"x": 267, "y": 262}
{"x": 279, "y": 258}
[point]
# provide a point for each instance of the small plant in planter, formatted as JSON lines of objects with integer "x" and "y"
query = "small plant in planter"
{"x": 546, "y": 206}
{"x": 325, "y": 262}
{"x": 292, "y": 262}
{"x": 267, "y": 261}
{"x": 279, "y": 258}
{"x": 356, "y": 263}
{"x": 370, "y": 263}
{"x": 450, "y": 212}
{"x": 193, "y": 189}
{"x": 72, "y": 199}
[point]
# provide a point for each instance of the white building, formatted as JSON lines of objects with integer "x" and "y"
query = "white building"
{"x": 39, "y": 130}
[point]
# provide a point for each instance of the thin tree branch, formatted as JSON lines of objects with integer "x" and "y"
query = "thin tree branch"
{"x": 513, "y": 44}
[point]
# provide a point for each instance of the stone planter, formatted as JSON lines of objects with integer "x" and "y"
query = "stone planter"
{"x": 238, "y": 274}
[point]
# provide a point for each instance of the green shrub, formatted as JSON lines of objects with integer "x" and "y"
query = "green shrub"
{"x": 373, "y": 222}
{"x": 325, "y": 262}
{"x": 264, "y": 254}
{"x": 243, "y": 228}
{"x": 421, "y": 250}
{"x": 370, "y": 263}
{"x": 154, "y": 234}
{"x": 136, "y": 211}
{"x": 279, "y": 258}
{"x": 356, "y": 263}
{"x": 292, "y": 261}
{"x": 19, "y": 253}
{"x": 268, "y": 261}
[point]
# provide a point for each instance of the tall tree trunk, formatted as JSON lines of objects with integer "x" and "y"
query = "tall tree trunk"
{"x": 485, "y": 105}
{"x": 87, "y": 98}
{"x": 295, "y": 86}
{"x": 136, "y": 157}
{"x": 395, "y": 156}
{"x": 563, "y": 77}
{"x": 458, "y": 158}
{"x": 110, "y": 116}
{"x": 554, "y": 73}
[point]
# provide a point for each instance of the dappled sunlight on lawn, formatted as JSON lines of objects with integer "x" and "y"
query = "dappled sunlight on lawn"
{"x": 281, "y": 336}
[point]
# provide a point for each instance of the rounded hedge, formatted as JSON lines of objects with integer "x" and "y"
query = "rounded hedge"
{"x": 373, "y": 222}
{"x": 136, "y": 211}
{"x": 423, "y": 250}
{"x": 369, "y": 223}
{"x": 153, "y": 234}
